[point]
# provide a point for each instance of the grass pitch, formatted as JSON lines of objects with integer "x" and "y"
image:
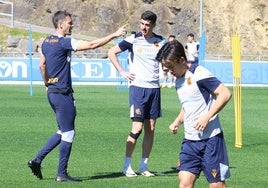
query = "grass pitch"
{"x": 102, "y": 126}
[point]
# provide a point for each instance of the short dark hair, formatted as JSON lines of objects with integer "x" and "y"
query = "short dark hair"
{"x": 149, "y": 15}
{"x": 172, "y": 36}
{"x": 59, "y": 16}
{"x": 190, "y": 35}
{"x": 171, "y": 51}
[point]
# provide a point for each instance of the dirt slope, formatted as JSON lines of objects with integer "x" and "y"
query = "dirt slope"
{"x": 179, "y": 17}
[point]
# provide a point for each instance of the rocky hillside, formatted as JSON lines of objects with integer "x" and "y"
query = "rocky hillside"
{"x": 179, "y": 17}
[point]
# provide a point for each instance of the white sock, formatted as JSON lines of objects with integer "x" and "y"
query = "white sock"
{"x": 143, "y": 164}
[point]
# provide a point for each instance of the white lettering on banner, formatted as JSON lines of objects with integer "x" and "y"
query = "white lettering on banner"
{"x": 74, "y": 75}
{"x": 17, "y": 69}
{"x": 100, "y": 69}
{"x": 19, "y": 64}
{"x": 13, "y": 69}
{"x": 93, "y": 70}
{"x": 5, "y": 68}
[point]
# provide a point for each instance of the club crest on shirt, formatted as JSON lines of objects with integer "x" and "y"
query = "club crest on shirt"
{"x": 189, "y": 82}
{"x": 214, "y": 173}
{"x": 139, "y": 50}
{"x": 138, "y": 111}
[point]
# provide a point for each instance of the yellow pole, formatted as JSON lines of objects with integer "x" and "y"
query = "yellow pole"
{"x": 237, "y": 88}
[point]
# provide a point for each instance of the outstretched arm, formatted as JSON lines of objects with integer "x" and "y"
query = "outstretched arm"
{"x": 88, "y": 45}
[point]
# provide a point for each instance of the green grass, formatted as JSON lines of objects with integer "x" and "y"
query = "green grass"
{"x": 102, "y": 126}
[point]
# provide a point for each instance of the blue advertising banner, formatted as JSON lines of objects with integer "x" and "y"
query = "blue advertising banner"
{"x": 251, "y": 72}
{"x": 82, "y": 70}
{"x": 102, "y": 70}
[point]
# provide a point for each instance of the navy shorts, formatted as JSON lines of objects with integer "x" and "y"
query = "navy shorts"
{"x": 209, "y": 156}
{"x": 64, "y": 107}
{"x": 144, "y": 103}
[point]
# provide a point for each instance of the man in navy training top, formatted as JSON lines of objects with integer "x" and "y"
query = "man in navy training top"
{"x": 55, "y": 70}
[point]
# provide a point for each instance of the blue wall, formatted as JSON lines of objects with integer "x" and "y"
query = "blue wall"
{"x": 251, "y": 72}
{"x": 102, "y": 70}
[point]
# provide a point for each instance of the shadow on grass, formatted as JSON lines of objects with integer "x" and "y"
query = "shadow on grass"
{"x": 108, "y": 175}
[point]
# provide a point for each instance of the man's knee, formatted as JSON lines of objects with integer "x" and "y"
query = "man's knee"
{"x": 135, "y": 135}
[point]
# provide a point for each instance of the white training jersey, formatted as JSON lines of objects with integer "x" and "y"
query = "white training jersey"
{"x": 192, "y": 48}
{"x": 196, "y": 93}
{"x": 143, "y": 64}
